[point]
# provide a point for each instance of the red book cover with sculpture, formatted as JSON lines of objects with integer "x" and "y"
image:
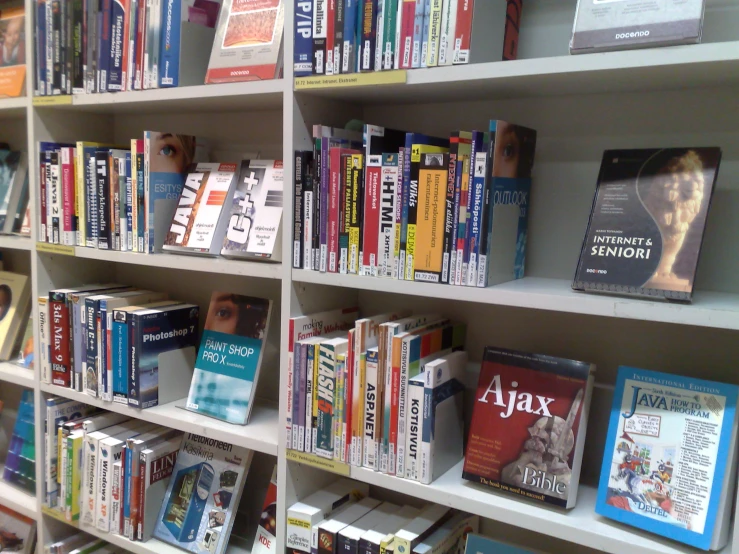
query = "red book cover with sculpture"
{"x": 528, "y": 425}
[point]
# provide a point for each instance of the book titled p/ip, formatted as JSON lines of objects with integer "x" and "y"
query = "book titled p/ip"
{"x": 230, "y": 356}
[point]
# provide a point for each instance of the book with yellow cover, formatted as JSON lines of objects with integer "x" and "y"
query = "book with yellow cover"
{"x": 12, "y": 52}
{"x": 432, "y": 183}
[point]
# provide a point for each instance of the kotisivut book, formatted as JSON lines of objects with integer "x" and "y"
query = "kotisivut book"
{"x": 254, "y": 228}
{"x": 604, "y": 25}
{"x": 647, "y": 223}
{"x": 199, "y": 222}
{"x": 203, "y": 494}
{"x": 669, "y": 464}
{"x": 231, "y": 351}
{"x": 535, "y": 407}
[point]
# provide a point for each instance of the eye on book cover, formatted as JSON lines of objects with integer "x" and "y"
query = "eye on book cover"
{"x": 528, "y": 425}
{"x": 231, "y": 351}
{"x": 668, "y": 452}
{"x": 647, "y": 223}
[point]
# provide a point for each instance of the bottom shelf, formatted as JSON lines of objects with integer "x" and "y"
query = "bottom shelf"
{"x": 17, "y": 499}
{"x": 152, "y": 546}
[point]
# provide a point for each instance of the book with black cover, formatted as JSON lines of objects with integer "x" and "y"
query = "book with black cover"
{"x": 647, "y": 222}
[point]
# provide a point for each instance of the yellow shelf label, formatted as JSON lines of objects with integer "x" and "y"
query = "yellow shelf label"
{"x": 55, "y": 249}
{"x": 352, "y": 80}
{"x": 58, "y": 100}
{"x": 321, "y": 463}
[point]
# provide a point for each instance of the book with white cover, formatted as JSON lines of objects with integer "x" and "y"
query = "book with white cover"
{"x": 157, "y": 462}
{"x": 384, "y": 532}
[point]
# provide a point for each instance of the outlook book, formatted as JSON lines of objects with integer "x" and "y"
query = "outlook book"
{"x": 230, "y": 356}
{"x": 647, "y": 223}
{"x": 669, "y": 464}
{"x": 203, "y": 495}
{"x": 528, "y": 425}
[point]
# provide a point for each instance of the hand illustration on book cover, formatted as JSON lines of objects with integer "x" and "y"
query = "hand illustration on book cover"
{"x": 230, "y": 354}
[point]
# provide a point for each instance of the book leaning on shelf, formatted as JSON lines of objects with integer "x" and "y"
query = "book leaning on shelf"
{"x": 13, "y": 191}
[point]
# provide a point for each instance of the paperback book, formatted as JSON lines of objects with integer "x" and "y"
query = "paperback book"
{"x": 647, "y": 223}
{"x": 528, "y": 425}
{"x": 231, "y": 350}
{"x": 203, "y": 494}
{"x": 669, "y": 464}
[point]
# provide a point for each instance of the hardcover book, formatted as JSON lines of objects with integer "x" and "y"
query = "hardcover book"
{"x": 669, "y": 464}
{"x": 254, "y": 229}
{"x": 248, "y": 42}
{"x": 647, "y": 223}
{"x": 203, "y": 494}
{"x": 199, "y": 222}
{"x": 231, "y": 350}
{"x": 534, "y": 408}
{"x": 605, "y": 25}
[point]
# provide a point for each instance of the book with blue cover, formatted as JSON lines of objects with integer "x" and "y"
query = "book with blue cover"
{"x": 230, "y": 356}
{"x": 203, "y": 495}
{"x": 670, "y": 460}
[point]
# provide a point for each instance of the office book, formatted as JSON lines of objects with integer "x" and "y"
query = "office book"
{"x": 534, "y": 409}
{"x": 669, "y": 464}
{"x": 647, "y": 222}
{"x": 231, "y": 350}
{"x": 203, "y": 495}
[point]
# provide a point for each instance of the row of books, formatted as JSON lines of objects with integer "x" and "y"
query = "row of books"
{"x": 14, "y": 209}
{"x": 384, "y": 392}
{"x": 351, "y": 36}
{"x": 159, "y": 193}
{"x": 118, "y": 45}
{"x": 137, "y": 347}
{"x": 409, "y": 206}
{"x": 136, "y": 479}
{"x": 343, "y": 518}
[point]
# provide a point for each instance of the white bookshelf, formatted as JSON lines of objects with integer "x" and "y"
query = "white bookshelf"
{"x": 580, "y": 105}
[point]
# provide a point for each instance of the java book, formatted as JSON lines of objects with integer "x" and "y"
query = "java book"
{"x": 528, "y": 425}
{"x": 669, "y": 460}
{"x": 647, "y": 222}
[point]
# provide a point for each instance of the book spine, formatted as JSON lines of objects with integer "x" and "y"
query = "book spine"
{"x": 52, "y": 37}
{"x": 141, "y": 494}
{"x": 153, "y": 41}
{"x": 303, "y": 44}
{"x": 354, "y": 202}
{"x": 141, "y": 204}
{"x": 290, "y": 387}
{"x": 387, "y": 403}
{"x": 115, "y": 499}
{"x": 405, "y": 173}
{"x": 106, "y": 317}
{"x": 300, "y": 161}
{"x": 115, "y": 203}
{"x": 336, "y": 411}
{"x": 61, "y": 52}
{"x": 410, "y": 245}
{"x": 348, "y": 35}
{"x": 368, "y": 34}
{"x": 418, "y": 20}
{"x": 67, "y": 21}
{"x": 326, "y": 392}
{"x": 134, "y": 494}
{"x": 432, "y": 193}
{"x": 330, "y": 36}
{"x": 470, "y": 171}
{"x": 68, "y": 197}
{"x": 379, "y": 45}
{"x": 91, "y": 40}
{"x": 448, "y": 25}
{"x": 105, "y": 488}
{"x": 129, "y": 21}
{"x": 406, "y": 34}
{"x": 476, "y": 200}
{"x": 129, "y": 205}
{"x": 460, "y": 195}
{"x": 103, "y": 196}
{"x": 89, "y": 463}
{"x": 43, "y": 233}
{"x": 351, "y": 431}
{"x": 308, "y": 220}
{"x": 324, "y": 205}
{"x": 345, "y": 191}
{"x": 399, "y": 187}
{"x": 100, "y": 369}
{"x": 413, "y": 429}
{"x": 127, "y": 491}
{"x": 309, "y": 387}
{"x": 356, "y": 61}
{"x": 320, "y": 22}
{"x": 426, "y": 471}
{"x": 369, "y": 454}
{"x": 141, "y": 11}
{"x": 386, "y": 224}
{"x": 372, "y": 213}
{"x": 120, "y": 357}
{"x": 56, "y": 197}
{"x": 134, "y": 339}
{"x": 41, "y": 47}
{"x": 103, "y": 56}
{"x": 43, "y": 338}
{"x": 59, "y": 336}
{"x": 169, "y": 48}
{"x": 301, "y": 400}
{"x": 434, "y": 31}
{"x": 115, "y": 60}
{"x": 78, "y": 38}
{"x": 401, "y": 407}
{"x": 425, "y": 30}
{"x": 91, "y": 210}
{"x": 486, "y": 226}
{"x": 295, "y": 394}
{"x": 450, "y": 223}
{"x": 80, "y": 196}
{"x": 390, "y": 19}
{"x": 336, "y": 191}
{"x": 463, "y": 32}
{"x": 134, "y": 200}
{"x": 89, "y": 377}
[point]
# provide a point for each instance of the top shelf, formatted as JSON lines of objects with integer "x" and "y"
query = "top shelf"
{"x": 679, "y": 67}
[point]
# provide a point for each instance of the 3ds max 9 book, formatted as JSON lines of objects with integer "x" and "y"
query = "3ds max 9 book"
{"x": 647, "y": 223}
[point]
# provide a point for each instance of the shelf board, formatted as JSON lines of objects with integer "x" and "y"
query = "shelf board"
{"x": 222, "y": 266}
{"x": 17, "y": 499}
{"x": 581, "y": 525}
{"x": 15, "y": 242}
{"x": 709, "y": 309}
{"x": 679, "y": 67}
{"x": 260, "y": 434}
{"x": 12, "y": 373}
{"x": 13, "y": 107}
{"x": 251, "y": 95}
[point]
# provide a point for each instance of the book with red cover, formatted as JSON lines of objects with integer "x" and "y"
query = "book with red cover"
{"x": 528, "y": 425}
